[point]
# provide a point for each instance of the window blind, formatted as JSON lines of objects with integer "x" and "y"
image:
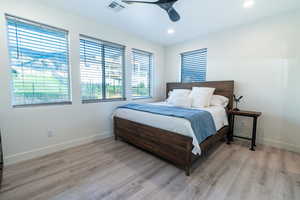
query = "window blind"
{"x": 193, "y": 66}
{"x": 39, "y": 63}
{"x": 102, "y": 70}
{"x": 141, "y": 73}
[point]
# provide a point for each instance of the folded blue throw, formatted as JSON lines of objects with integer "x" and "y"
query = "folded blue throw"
{"x": 201, "y": 121}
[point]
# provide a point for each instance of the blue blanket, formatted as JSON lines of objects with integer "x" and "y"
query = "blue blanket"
{"x": 201, "y": 121}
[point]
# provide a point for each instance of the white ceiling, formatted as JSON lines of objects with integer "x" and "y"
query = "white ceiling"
{"x": 198, "y": 17}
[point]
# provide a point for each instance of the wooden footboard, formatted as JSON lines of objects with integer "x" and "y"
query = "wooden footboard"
{"x": 171, "y": 146}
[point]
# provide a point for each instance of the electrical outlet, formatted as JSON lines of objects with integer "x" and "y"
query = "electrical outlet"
{"x": 50, "y": 133}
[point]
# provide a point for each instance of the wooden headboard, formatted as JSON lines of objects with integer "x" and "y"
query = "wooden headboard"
{"x": 224, "y": 88}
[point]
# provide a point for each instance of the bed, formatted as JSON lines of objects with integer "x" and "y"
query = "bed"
{"x": 172, "y": 138}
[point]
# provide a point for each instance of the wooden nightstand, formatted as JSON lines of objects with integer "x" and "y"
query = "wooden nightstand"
{"x": 244, "y": 113}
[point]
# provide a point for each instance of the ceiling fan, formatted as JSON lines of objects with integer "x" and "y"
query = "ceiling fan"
{"x": 167, "y": 5}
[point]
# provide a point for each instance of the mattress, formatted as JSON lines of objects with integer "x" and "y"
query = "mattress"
{"x": 173, "y": 124}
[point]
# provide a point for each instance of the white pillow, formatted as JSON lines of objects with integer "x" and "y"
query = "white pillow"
{"x": 183, "y": 101}
{"x": 180, "y": 97}
{"x": 201, "y": 96}
{"x": 178, "y": 93}
{"x": 183, "y": 92}
{"x": 219, "y": 100}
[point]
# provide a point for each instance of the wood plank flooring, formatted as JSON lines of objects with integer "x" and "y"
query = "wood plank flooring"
{"x": 111, "y": 169}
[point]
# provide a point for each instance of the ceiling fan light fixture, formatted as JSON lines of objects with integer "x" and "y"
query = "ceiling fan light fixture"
{"x": 171, "y": 31}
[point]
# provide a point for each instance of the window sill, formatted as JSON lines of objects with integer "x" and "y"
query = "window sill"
{"x": 102, "y": 100}
{"x": 43, "y": 104}
{"x": 141, "y": 98}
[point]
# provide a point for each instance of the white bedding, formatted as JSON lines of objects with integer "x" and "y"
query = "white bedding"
{"x": 174, "y": 124}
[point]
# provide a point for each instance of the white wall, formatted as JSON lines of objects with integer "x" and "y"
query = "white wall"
{"x": 264, "y": 60}
{"x": 24, "y": 130}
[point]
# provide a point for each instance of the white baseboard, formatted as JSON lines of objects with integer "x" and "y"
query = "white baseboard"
{"x": 280, "y": 145}
{"x": 9, "y": 160}
{"x": 58, "y": 147}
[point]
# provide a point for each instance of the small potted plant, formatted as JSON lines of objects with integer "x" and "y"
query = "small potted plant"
{"x": 237, "y": 100}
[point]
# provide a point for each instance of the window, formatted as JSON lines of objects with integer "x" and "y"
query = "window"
{"x": 102, "y": 70}
{"x": 193, "y": 66}
{"x": 141, "y": 74}
{"x": 39, "y": 63}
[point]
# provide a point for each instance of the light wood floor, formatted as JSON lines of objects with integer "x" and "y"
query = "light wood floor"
{"x": 115, "y": 170}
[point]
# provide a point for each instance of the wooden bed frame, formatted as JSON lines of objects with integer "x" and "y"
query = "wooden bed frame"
{"x": 172, "y": 146}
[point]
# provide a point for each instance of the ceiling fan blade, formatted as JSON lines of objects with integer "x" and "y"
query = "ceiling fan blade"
{"x": 130, "y": 2}
{"x": 167, "y": 5}
{"x": 173, "y": 14}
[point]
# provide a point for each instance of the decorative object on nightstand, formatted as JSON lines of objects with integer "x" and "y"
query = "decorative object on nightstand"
{"x": 244, "y": 113}
{"x": 237, "y": 100}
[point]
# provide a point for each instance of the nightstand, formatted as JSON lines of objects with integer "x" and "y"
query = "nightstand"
{"x": 244, "y": 113}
